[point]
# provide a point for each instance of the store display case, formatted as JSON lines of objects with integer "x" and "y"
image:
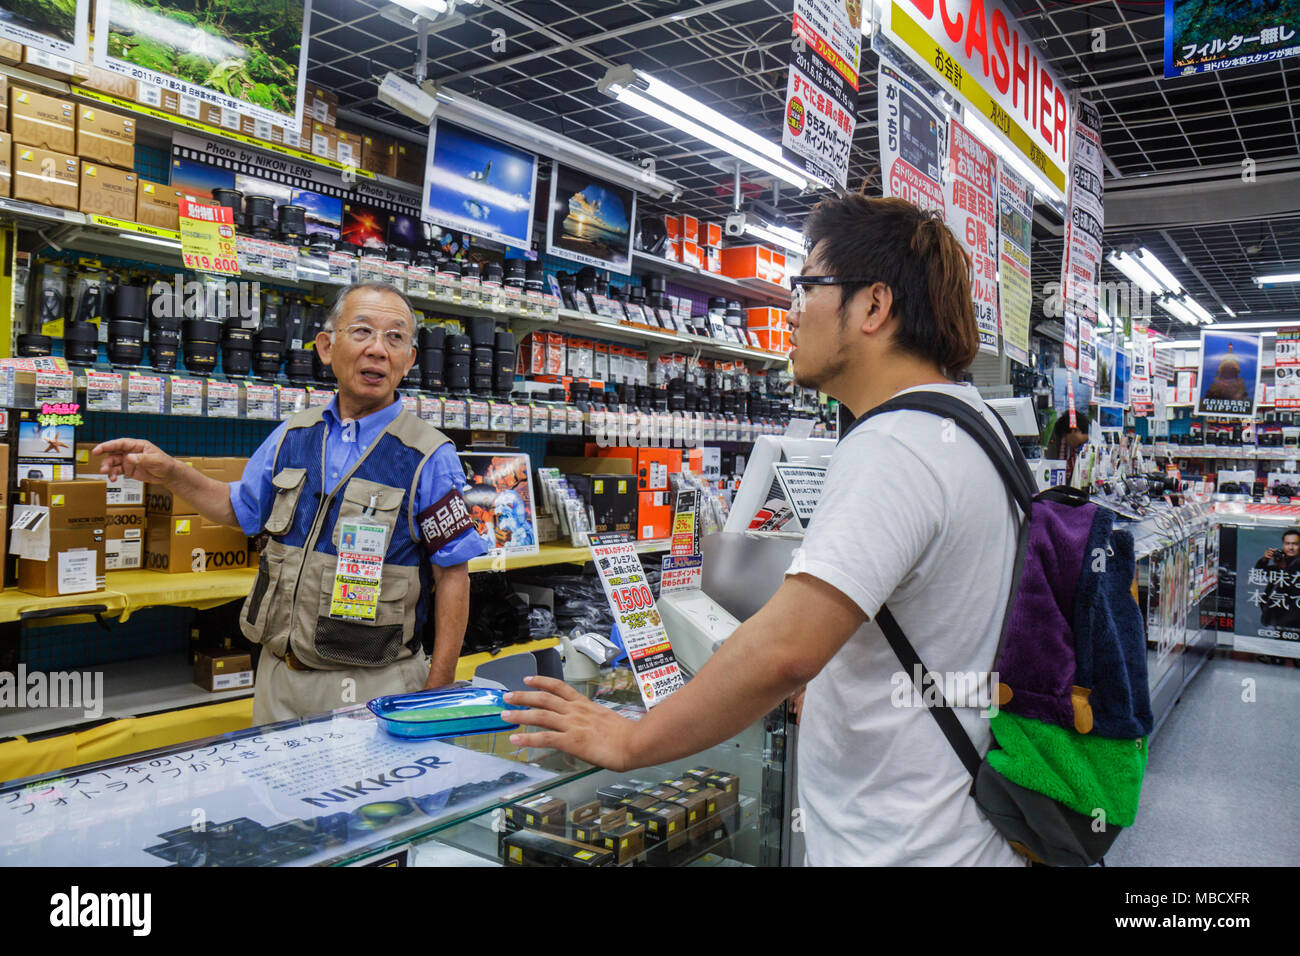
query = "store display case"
{"x": 338, "y": 790}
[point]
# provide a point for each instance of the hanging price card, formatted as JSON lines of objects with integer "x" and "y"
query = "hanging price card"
{"x": 454, "y": 413}
{"x": 53, "y": 387}
{"x": 343, "y": 268}
{"x": 144, "y": 393}
{"x": 208, "y": 238}
{"x": 260, "y": 401}
{"x": 431, "y": 410}
{"x": 292, "y": 400}
{"x": 319, "y": 396}
{"x": 103, "y": 391}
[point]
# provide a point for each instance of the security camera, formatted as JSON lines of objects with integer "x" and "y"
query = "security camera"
{"x": 408, "y": 99}
{"x": 735, "y": 225}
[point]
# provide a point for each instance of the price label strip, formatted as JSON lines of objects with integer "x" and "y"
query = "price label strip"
{"x": 144, "y": 393}
{"x": 103, "y": 391}
{"x": 653, "y": 663}
{"x": 208, "y": 238}
{"x": 358, "y": 576}
{"x": 187, "y": 396}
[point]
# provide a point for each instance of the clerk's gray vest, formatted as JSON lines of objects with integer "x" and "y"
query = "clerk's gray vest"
{"x": 290, "y": 601}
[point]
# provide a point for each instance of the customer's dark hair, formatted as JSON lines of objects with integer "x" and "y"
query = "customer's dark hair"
{"x": 1294, "y": 531}
{"x": 915, "y": 254}
{"x": 1062, "y": 425}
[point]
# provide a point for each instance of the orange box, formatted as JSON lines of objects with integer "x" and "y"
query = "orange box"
{"x": 654, "y": 515}
{"x": 712, "y": 235}
{"x": 692, "y": 254}
{"x": 554, "y": 353}
{"x": 713, "y": 261}
{"x": 690, "y": 229}
{"x": 674, "y": 226}
{"x": 654, "y": 465}
{"x": 673, "y": 251}
{"x": 765, "y": 318}
{"x": 774, "y": 340}
{"x": 747, "y": 262}
{"x": 778, "y": 268}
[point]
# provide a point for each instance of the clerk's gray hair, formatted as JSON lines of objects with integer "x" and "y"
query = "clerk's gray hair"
{"x": 336, "y": 310}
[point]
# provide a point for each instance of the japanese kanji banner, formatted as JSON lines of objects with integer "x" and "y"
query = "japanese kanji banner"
{"x": 913, "y": 140}
{"x": 1267, "y": 603}
{"x": 971, "y": 214}
{"x": 821, "y": 98}
{"x": 1286, "y": 362}
{"x": 1081, "y": 264}
{"x": 1229, "y": 373}
{"x": 1015, "y": 291}
{"x": 1203, "y": 35}
{"x": 1088, "y": 353}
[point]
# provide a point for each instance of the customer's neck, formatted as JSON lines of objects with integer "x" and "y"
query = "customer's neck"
{"x": 351, "y": 408}
{"x": 893, "y": 374}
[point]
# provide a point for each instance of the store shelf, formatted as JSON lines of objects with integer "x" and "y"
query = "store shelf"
{"x": 1225, "y": 451}
{"x": 752, "y": 289}
{"x": 555, "y": 554}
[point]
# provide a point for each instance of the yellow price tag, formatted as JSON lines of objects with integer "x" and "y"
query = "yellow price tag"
{"x": 208, "y": 238}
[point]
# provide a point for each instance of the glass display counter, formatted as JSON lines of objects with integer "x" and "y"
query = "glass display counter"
{"x": 338, "y": 790}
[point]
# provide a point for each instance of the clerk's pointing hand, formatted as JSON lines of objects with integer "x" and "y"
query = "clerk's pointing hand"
{"x": 135, "y": 458}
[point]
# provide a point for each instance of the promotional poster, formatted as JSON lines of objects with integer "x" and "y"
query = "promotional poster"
{"x": 913, "y": 141}
{"x": 479, "y": 185}
{"x": 1286, "y": 372}
{"x": 1229, "y": 374}
{"x": 972, "y": 215}
{"x": 1268, "y": 584}
{"x": 1203, "y": 35}
{"x": 590, "y": 220}
{"x": 1015, "y": 290}
{"x": 821, "y": 97}
{"x": 249, "y": 56}
{"x": 499, "y": 497}
{"x": 1081, "y": 264}
{"x": 58, "y": 28}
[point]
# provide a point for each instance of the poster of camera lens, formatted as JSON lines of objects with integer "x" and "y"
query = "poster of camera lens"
{"x": 639, "y": 625}
{"x": 1015, "y": 291}
{"x": 1286, "y": 365}
{"x": 1081, "y": 263}
{"x": 1201, "y": 36}
{"x": 589, "y": 220}
{"x": 498, "y": 494}
{"x": 821, "y": 96}
{"x": 479, "y": 185}
{"x": 249, "y": 56}
{"x": 971, "y": 213}
{"x": 913, "y": 140}
{"x": 59, "y": 28}
{"x": 1230, "y": 363}
{"x": 1267, "y": 602}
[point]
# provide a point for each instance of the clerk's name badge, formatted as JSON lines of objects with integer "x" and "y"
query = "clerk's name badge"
{"x": 358, "y": 576}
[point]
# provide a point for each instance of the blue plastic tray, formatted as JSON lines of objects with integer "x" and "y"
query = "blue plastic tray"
{"x": 452, "y": 712}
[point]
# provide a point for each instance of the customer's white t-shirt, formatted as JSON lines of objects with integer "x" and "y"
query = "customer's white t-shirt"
{"x": 913, "y": 515}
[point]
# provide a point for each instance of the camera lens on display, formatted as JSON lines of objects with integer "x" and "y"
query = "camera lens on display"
{"x": 483, "y": 359}
{"x": 298, "y": 366}
{"x": 130, "y": 302}
{"x": 431, "y": 369}
{"x": 458, "y": 345}
{"x": 236, "y": 348}
{"x": 655, "y": 283}
{"x": 125, "y": 341}
{"x": 268, "y": 351}
{"x": 80, "y": 343}
{"x": 164, "y": 343}
{"x": 412, "y": 378}
{"x": 399, "y": 254}
{"x": 456, "y": 373}
{"x": 504, "y": 373}
{"x": 293, "y": 223}
{"x": 33, "y": 345}
{"x": 556, "y": 394}
{"x": 235, "y": 200}
{"x": 482, "y": 331}
{"x": 379, "y": 251}
{"x": 321, "y": 243}
{"x": 200, "y": 345}
{"x": 432, "y": 337}
{"x": 348, "y": 247}
{"x": 259, "y": 214}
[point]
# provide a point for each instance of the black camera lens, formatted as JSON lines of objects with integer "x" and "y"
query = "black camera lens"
{"x": 432, "y": 358}
{"x": 80, "y": 343}
{"x": 293, "y": 223}
{"x": 33, "y": 344}
{"x": 236, "y": 361}
{"x": 234, "y": 199}
{"x": 480, "y": 385}
{"x": 350, "y": 248}
{"x": 432, "y": 337}
{"x": 320, "y": 243}
{"x": 482, "y": 331}
{"x": 259, "y": 213}
{"x": 505, "y": 342}
{"x": 482, "y": 361}
{"x": 411, "y": 380}
{"x": 298, "y": 366}
{"x": 200, "y": 356}
{"x": 268, "y": 351}
{"x": 125, "y": 341}
{"x": 399, "y": 254}
{"x": 431, "y": 377}
{"x": 458, "y": 345}
{"x": 164, "y": 343}
{"x": 202, "y": 330}
{"x": 655, "y": 283}
{"x": 237, "y": 336}
{"x": 131, "y": 302}
{"x": 456, "y": 375}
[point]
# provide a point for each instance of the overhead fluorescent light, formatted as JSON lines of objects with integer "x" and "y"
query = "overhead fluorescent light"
{"x": 152, "y": 240}
{"x": 674, "y": 108}
{"x": 468, "y": 112}
{"x": 1136, "y": 272}
{"x": 1179, "y": 311}
{"x": 425, "y": 8}
{"x": 1230, "y": 312}
{"x": 1157, "y": 268}
{"x": 1197, "y": 309}
{"x": 1278, "y": 278}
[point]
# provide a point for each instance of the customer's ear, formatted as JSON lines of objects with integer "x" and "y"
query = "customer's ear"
{"x": 875, "y": 303}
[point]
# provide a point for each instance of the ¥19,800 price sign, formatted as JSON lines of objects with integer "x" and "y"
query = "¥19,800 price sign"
{"x": 208, "y": 238}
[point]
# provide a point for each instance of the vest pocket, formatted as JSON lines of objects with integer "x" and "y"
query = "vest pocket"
{"x": 259, "y": 607}
{"x": 369, "y": 502}
{"x": 288, "y": 488}
{"x": 366, "y": 642}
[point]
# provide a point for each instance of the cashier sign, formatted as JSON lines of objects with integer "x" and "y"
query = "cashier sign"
{"x": 208, "y": 238}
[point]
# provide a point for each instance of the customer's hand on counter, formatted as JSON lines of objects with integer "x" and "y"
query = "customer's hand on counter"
{"x": 571, "y": 723}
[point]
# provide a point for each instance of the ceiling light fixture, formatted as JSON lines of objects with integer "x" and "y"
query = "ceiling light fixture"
{"x": 1178, "y": 310}
{"x": 674, "y": 108}
{"x": 1136, "y": 272}
{"x": 1157, "y": 268}
{"x": 1278, "y": 278}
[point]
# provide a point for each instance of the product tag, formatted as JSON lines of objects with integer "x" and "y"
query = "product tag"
{"x": 319, "y": 396}
{"x": 521, "y": 417}
{"x": 370, "y": 269}
{"x": 395, "y": 275}
{"x": 144, "y": 393}
{"x": 259, "y": 401}
{"x": 187, "y": 396}
{"x": 54, "y": 387}
{"x": 511, "y": 298}
{"x": 479, "y": 415}
{"x": 282, "y": 261}
{"x": 103, "y": 391}
{"x": 454, "y": 414}
{"x": 343, "y": 268}
{"x": 499, "y": 416}
{"x": 76, "y": 571}
{"x": 574, "y": 416}
{"x": 419, "y": 279}
{"x": 358, "y": 576}
{"x": 252, "y": 255}
{"x": 222, "y": 399}
{"x": 431, "y": 410}
{"x": 411, "y": 403}
{"x": 292, "y": 400}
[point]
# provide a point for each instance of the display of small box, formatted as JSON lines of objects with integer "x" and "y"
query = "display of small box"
{"x": 180, "y": 543}
{"x": 45, "y": 122}
{"x": 712, "y": 238}
{"x": 542, "y": 812}
{"x": 626, "y": 842}
{"x": 45, "y": 63}
{"x": 612, "y": 795}
{"x": 713, "y": 261}
{"x": 584, "y": 814}
{"x": 749, "y": 262}
{"x": 104, "y": 137}
{"x": 106, "y": 81}
{"x": 555, "y": 354}
{"x": 692, "y": 254}
{"x": 4, "y": 102}
{"x": 223, "y": 671}
{"x": 107, "y": 191}
{"x": 75, "y": 564}
{"x": 690, "y": 229}
{"x": 673, "y": 227}
{"x": 638, "y": 801}
{"x": 665, "y": 823}
{"x": 682, "y": 782}
{"x": 124, "y": 539}
{"x": 537, "y": 848}
{"x": 324, "y": 140}
{"x": 75, "y": 505}
{"x": 160, "y": 499}
{"x": 322, "y": 105}
{"x": 654, "y": 515}
{"x": 699, "y": 774}
{"x": 410, "y": 163}
{"x": 613, "y": 499}
{"x": 694, "y": 804}
{"x": 379, "y": 154}
{"x": 728, "y": 787}
{"x": 347, "y": 148}
{"x": 45, "y": 177}
{"x": 11, "y": 51}
{"x": 673, "y": 251}
{"x": 6, "y": 159}
{"x": 157, "y": 204}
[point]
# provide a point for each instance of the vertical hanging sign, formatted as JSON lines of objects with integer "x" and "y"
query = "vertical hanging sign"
{"x": 972, "y": 216}
{"x": 1286, "y": 360}
{"x": 208, "y": 238}
{"x": 913, "y": 141}
{"x": 1015, "y": 290}
{"x": 821, "y": 98}
{"x": 1141, "y": 396}
{"x": 1081, "y": 264}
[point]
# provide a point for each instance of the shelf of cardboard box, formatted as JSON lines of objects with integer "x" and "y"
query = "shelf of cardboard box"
{"x": 165, "y": 682}
{"x": 712, "y": 282}
{"x": 129, "y": 591}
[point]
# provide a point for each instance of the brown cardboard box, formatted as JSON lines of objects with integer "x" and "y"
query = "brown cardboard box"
{"x": 159, "y": 499}
{"x": 74, "y": 505}
{"x": 11, "y": 51}
{"x": 6, "y": 165}
{"x": 324, "y": 140}
{"x": 584, "y": 813}
{"x": 4, "y": 102}
{"x": 347, "y": 149}
{"x": 50, "y": 64}
{"x": 626, "y": 843}
{"x": 104, "y": 137}
{"x": 700, "y": 774}
{"x": 46, "y": 177}
{"x": 536, "y": 848}
{"x": 378, "y": 154}
{"x": 170, "y": 101}
{"x": 107, "y": 191}
{"x": 70, "y": 551}
{"x": 695, "y": 805}
{"x": 124, "y": 539}
{"x": 181, "y": 543}
{"x": 666, "y": 823}
{"x": 660, "y": 792}
{"x": 728, "y": 784}
{"x": 542, "y": 812}
{"x": 106, "y": 81}
{"x": 410, "y": 163}
{"x": 158, "y": 205}
{"x": 46, "y": 122}
{"x": 322, "y": 106}
{"x": 223, "y": 671}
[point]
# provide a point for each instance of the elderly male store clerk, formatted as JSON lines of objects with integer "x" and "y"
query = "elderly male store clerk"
{"x": 390, "y": 485}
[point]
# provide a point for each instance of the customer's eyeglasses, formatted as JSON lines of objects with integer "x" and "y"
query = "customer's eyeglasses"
{"x": 797, "y": 283}
{"x": 395, "y": 340}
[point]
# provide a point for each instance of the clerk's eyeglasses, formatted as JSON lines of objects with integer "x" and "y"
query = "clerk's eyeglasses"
{"x": 797, "y": 283}
{"x": 395, "y": 340}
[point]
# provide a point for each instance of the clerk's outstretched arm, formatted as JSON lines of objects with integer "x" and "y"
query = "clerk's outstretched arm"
{"x": 145, "y": 461}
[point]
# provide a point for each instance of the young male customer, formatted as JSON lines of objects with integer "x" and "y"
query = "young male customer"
{"x": 360, "y": 470}
{"x": 913, "y": 514}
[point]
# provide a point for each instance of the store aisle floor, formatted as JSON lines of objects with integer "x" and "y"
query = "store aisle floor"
{"x": 1221, "y": 783}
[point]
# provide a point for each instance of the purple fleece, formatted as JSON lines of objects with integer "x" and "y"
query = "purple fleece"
{"x": 1037, "y": 659}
